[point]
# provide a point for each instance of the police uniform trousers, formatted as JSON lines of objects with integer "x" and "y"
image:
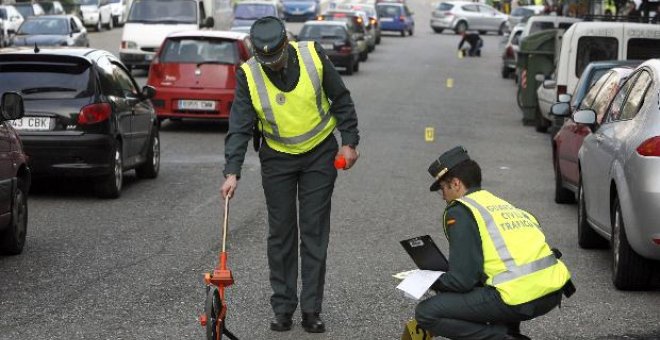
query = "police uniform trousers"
{"x": 306, "y": 180}
{"x": 478, "y": 314}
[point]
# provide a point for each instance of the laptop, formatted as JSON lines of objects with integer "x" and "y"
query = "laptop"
{"x": 425, "y": 254}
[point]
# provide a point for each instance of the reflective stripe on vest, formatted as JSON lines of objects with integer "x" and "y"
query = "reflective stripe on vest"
{"x": 513, "y": 271}
{"x": 261, "y": 88}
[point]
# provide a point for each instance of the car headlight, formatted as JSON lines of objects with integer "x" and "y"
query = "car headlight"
{"x": 131, "y": 45}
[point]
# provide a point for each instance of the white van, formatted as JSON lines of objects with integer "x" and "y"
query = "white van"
{"x": 585, "y": 42}
{"x": 150, "y": 21}
{"x": 538, "y": 23}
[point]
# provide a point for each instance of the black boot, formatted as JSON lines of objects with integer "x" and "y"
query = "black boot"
{"x": 281, "y": 323}
{"x": 312, "y": 323}
{"x": 513, "y": 332}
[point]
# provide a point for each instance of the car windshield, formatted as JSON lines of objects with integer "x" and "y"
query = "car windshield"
{"x": 540, "y": 26}
{"x": 25, "y": 10}
{"x": 47, "y": 81}
{"x": 3, "y": 13}
{"x": 115, "y": 1}
{"x": 200, "y": 51}
{"x": 154, "y": 11}
{"x": 253, "y": 11}
{"x": 89, "y": 2}
{"x": 46, "y": 26}
{"x": 385, "y": 11}
{"x": 445, "y": 6}
{"x": 47, "y": 6}
{"x": 522, "y": 12}
{"x": 316, "y": 32}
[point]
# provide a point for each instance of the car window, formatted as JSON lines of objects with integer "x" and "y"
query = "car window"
{"x": 565, "y": 25}
{"x": 150, "y": 11}
{"x": 253, "y": 11}
{"x": 313, "y": 32}
{"x": 66, "y": 80}
{"x": 385, "y": 11}
{"x": 614, "y": 111}
{"x": 470, "y": 8}
{"x": 516, "y": 38}
{"x": 3, "y": 14}
{"x": 89, "y": 2}
{"x": 593, "y": 49}
{"x": 486, "y": 10}
{"x": 642, "y": 49}
{"x": 539, "y": 26}
{"x": 636, "y": 97}
{"x": 607, "y": 91}
{"x": 46, "y": 26}
{"x": 195, "y": 50}
{"x": 590, "y": 97}
{"x": 124, "y": 82}
{"x": 522, "y": 12}
{"x": 443, "y": 6}
{"x": 26, "y": 11}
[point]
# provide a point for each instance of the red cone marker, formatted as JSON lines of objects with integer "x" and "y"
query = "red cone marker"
{"x": 340, "y": 163}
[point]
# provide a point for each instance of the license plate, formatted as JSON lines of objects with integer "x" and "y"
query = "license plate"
{"x": 386, "y": 19}
{"x": 31, "y": 123}
{"x": 327, "y": 46}
{"x": 203, "y": 105}
{"x": 149, "y": 57}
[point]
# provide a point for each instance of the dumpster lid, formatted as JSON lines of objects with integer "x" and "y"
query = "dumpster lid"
{"x": 541, "y": 42}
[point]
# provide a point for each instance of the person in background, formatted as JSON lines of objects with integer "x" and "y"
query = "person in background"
{"x": 475, "y": 42}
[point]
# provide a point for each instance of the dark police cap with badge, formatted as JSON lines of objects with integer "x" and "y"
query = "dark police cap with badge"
{"x": 269, "y": 40}
{"x": 446, "y": 162}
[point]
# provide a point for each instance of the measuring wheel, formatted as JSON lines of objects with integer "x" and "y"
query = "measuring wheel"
{"x": 212, "y": 310}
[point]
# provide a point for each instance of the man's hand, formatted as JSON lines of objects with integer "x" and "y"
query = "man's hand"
{"x": 351, "y": 155}
{"x": 229, "y": 186}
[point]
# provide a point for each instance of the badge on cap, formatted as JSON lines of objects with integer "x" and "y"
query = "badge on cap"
{"x": 266, "y": 49}
{"x": 280, "y": 99}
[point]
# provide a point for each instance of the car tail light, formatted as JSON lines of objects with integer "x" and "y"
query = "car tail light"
{"x": 650, "y": 147}
{"x": 402, "y": 18}
{"x": 94, "y": 113}
{"x": 320, "y": 17}
{"x": 340, "y": 15}
{"x": 447, "y": 14}
{"x": 509, "y": 52}
{"x": 656, "y": 240}
{"x": 346, "y": 49}
{"x": 372, "y": 21}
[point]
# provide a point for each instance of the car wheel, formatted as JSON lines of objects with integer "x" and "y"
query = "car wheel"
{"x": 483, "y": 32}
{"x": 505, "y": 72}
{"x": 541, "y": 124}
{"x": 111, "y": 24}
{"x": 502, "y": 29}
{"x": 461, "y": 27}
{"x": 99, "y": 26}
{"x": 356, "y": 66}
{"x": 152, "y": 162}
{"x": 562, "y": 195}
{"x": 411, "y": 31}
{"x": 109, "y": 186}
{"x": 350, "y": 68}
{"x": 364, "y": 56}
{"x": 12, "y": 240}
{"x": 629, "y": 270}
{"x": 378, "y": 39}
{"x": 403, "y": 33}
{"x": 437, "y": 30}
{"x": 587, "y": 237}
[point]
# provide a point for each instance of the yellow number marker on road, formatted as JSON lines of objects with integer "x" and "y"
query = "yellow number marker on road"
{"x": 450, "y": 83}
{"x": 429, "y": 134}
{"x": 412, "y": 331}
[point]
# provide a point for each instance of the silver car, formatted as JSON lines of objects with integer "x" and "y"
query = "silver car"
{"x": 460, "y": 16}
{"x": 619, "y": 190}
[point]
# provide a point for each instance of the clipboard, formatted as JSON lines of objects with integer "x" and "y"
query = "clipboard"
{"x": 425, "y": 253}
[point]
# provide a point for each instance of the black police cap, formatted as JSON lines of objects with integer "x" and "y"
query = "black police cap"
{"x": 446, "y": 162}
{"x": 268, "y": 36}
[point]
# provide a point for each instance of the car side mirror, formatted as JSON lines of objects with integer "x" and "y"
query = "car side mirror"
{"x": 148, "y": 92}
{"x": 560, "y": 109}
{"x": 549, "y": 84}
{"x": 565, "y": 98}
{"x": 585, "y": 117}
{"x": 209, "y": 22}
{"x": 12, "y": 106}
{"x": 540, "y": 77}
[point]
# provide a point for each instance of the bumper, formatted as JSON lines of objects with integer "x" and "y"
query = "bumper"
{"x": 509, "y": 63}
{"x": 640, "y": 208}
{"x": 74, "y": 155}
{"x": 136, "y": 58}
{"x": 442, "y": 23}
{"x": 393, "y": 26}
{"x": 341, "y": 60}
{"x": 167, "y": 99}
{"x": 299, "y": 16}
{"x": 90, "y": 19}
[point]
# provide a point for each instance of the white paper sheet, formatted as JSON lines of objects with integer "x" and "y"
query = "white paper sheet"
{"x": 418, "y": 282}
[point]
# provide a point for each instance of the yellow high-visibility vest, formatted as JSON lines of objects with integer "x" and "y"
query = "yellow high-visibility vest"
{"x": 293, "y": 122}
{"x": 517, "y": 260}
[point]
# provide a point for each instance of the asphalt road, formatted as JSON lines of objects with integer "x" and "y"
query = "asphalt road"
{"x": 132, "y": 268}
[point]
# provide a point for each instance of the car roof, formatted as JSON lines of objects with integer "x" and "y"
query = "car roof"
{"x": 89, "y": 54}
{"x": 653, "y": 63}
{"x": 613, "y": 63}
{"x": 256, "y": 2}
{"x": 209, "y": 34}
{"x": 463, "y": 3}
{"x": 325, "y": 23}
{"x": 50, "y": 16}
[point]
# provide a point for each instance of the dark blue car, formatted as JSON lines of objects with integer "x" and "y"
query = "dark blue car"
{"x": 300, "y": 10}
{"x": 395, "y": 17}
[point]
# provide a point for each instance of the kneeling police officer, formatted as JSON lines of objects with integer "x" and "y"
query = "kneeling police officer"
{"x": 501, "y": 270}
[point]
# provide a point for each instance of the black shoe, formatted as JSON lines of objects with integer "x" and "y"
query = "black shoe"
{"x": 312, "y": 323}
{"x": 517, "y": 336}
{"x": 281, "y": 323}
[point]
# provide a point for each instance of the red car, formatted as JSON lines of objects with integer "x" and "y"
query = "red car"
{"x": 567, "y": 142}
{"x": 194, "y": 74}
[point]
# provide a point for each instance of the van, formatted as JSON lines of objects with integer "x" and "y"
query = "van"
{"x": 150, "y": 21}
{"x": 585, "y": 42}
{"x": 540, "y": 23}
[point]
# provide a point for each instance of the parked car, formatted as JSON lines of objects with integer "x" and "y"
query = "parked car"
{"x": 355, "y": 25}
{"x": 510, "y": 51}
{"x": 301, "y": 10}
{"x": 52, "y": 7}
{"x": 460, "y": 16}
{"x": 247, "y": 12}
{"x": 96, "y": 13}
{"x": 14, "y": 179}
{"x": 119, "y": 11}
{"x": 396, "y": 17}
{"x": 371, "y": 12}
{"x": 619, "y": 192}
{"x": 85, "y": 116}
{"x": 336, "y": 40}
{"x": 194, "y": 74}
{"x": 28, "y": 9}
{"x": 10, "y": 21}
{"x": 362, "y": 19}
{"x": 52, "y": 30}
{"x": 606, "y": 78}
{"x": 521, "y": 14}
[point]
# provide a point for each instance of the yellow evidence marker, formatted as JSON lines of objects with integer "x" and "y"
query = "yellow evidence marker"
{"x": 450, "y": 82}
{"x": 412, "y": 331}
{"x": 429, "y": 134}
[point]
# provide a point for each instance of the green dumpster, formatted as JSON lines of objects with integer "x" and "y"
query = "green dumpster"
{"x": 536, "y": 56}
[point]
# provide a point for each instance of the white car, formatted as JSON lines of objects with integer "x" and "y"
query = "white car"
{"x": 96, "y": 13}
{"x": 10, "y": 20}
{"x": 119, "y": 10}
{"x": 460, "y": 16}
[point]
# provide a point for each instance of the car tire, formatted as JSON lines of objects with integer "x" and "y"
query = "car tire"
{"x": 109, "y": 186}
{"x": 483, "y": 32}
{"x": 587, "y": 237}
{"x": 461, "y": 27}
{"x": 364, "y": 56}
{"x": 541, "y": 124}
{"x": 356, "y": 66}
{"x": 437, "y": 30}
{"x": 151, "y": 165}
{"x": 111, "y": 24}
{"x": 12, "y": 240}
{"x": 99, "y": 26}
{"x": 349, "y": 69}
{"x": 378, "y": 39}
{"x": 403, "y": 33}
{"x": 562, "y": 195}
{"x": 505, "y": 72}
{"x": 629, "y": 270}
{"x": 411, "y": 31}
{"x": 501, "y": 30}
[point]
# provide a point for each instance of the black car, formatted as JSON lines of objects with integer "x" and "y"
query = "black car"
{"x": 51, "y": 30}
{"x": 84, "y": 116}
{"x": 338, "y": 43}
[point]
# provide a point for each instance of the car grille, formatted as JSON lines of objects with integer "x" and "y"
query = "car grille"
{"x": 149, "y": 49}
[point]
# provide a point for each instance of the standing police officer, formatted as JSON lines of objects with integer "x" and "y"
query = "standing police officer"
{"x": 297, "y": 99}
{"x": 501, "y": 270}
